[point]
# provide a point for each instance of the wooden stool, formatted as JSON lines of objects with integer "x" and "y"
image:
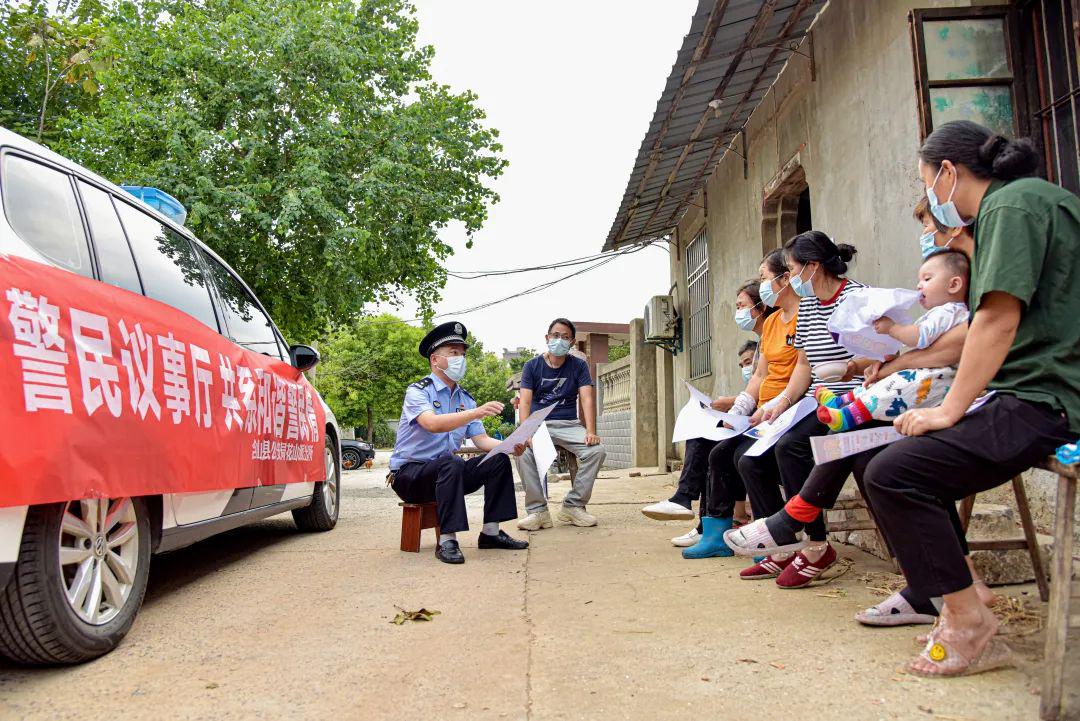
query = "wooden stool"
{"x": 1030, "y": 541}
{"x": 415, "y": 517}
{"x": 1062, "y": 590}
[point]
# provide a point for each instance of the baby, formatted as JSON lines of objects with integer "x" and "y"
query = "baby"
{"x": 943, "y": 280}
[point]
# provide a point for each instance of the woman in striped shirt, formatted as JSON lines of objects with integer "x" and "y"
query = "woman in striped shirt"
{"x": 817, "y": 268}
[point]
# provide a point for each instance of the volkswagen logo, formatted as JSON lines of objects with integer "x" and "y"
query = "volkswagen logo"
{"x": 99, "y": 545}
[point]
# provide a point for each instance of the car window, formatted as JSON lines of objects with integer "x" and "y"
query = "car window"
{"x": 246, "y": 322}
{"x": 168, "y": 265}
{"x": 41, "y": 208}
{"x": 115, "y": 262}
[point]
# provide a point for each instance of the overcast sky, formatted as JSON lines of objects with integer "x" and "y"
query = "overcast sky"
{"x": 571, "y": 87}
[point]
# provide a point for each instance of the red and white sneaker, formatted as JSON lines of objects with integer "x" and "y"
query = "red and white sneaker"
{"x": 767, "y": 567}
{"x": 802, "y": 571}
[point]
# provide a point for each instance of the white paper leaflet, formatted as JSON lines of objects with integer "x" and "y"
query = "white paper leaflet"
{"x": 769, "y": 433}
{"x": 521, "y": 434}
{"x": 853, "y": 320}
{"x": 544, "y": 453}
{"x": 835, "y": 446}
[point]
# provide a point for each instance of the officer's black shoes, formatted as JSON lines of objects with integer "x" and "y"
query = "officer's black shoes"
{"x": 449, "y": 552}
{"x": 501, "y": 541}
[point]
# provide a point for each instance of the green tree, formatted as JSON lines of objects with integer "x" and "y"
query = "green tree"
{"x": 50, "y": 61}
{"x": 485, "y": 380}
{"x": 618, "y": 351}
{"x": 306, "y": 137}
{"x": 366, "y": 368}
{"x": 517, "y": 364}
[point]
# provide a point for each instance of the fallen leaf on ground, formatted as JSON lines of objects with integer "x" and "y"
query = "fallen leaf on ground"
{"x": 211, "y": 685}
{"x": 747, "y": 660}
{"x": 422, "y": 615}
{"x": 776, "y": 664}
{"x": 705, "y": 678}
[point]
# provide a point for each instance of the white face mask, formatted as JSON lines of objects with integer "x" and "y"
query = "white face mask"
{"x": 747, "y": 372}
{"x": 455, "y": 367}
{"x": 558, "y": 346}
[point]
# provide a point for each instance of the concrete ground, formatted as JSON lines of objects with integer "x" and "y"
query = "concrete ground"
{"x": 600, "y": 623}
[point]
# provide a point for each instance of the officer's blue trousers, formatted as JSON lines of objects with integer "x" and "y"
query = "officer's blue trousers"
{"x": 447, "y": 479}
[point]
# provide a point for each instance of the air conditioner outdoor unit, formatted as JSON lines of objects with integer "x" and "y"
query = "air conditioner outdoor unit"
{"x": 660, "y": 321}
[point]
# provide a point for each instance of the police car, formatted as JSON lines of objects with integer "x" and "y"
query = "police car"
{"x": 73, "y": 573}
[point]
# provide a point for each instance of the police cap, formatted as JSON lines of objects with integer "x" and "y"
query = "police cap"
{"x": 449, "y": 332}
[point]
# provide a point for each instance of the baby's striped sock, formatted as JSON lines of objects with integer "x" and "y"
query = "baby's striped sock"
{"x": 826, "y": 397}
{"x": 844, "y": 419}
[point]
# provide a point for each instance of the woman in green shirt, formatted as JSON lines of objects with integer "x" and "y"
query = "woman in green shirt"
{"x": 1023, "y": 343}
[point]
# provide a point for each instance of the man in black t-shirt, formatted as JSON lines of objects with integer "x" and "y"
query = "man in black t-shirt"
{"x": 558, "y": 379}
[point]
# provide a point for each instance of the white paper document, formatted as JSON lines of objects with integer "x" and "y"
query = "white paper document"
{"x": 694, "y": 422}
{"x": 544, "y": 453}
{"x": 769, "y": 433}
{"x": 853, "y": 320}
{"x": 835, "y": 446}
{"x": 739, "y": 423}
{"x": 521, "y": 434}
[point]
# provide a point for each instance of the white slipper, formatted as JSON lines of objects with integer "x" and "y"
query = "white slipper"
{"x": 754, "y": 539}
{"x": 668, "y": 511}
{"x": 687, "y": 539}
{"x": 893, "y": 611}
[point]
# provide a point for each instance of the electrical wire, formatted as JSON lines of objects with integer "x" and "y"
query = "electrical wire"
{"x": 475, "y": 274}
{"x": 604, "y": 259}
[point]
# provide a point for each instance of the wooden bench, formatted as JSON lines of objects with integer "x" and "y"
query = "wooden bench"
{"x": 415, "y": 517}
{"x": 1062, "y": 590}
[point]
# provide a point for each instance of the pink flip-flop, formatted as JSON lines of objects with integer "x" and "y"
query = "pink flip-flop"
{"x": 754, "y": 539}
{"x": 893, "y": 611}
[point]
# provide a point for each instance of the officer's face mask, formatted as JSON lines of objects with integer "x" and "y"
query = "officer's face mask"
{"x": 455, "y": 367}
{"x": 558, "y": 346}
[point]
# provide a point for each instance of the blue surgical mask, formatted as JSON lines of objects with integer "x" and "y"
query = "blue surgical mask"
{"x": 803, "y": 288}
{"x": 768, "y": 295}
{"x": 929, "y": 247}
{"x": 946, "y": 213}
{"x": 747, "y": 373}
{"x": 558, "y": 346}
{"x": 745, "y": 319}
{"x": 455, "y": 367}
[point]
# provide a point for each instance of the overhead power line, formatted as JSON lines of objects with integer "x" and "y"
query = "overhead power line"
{"x": 475, "y": 274}
{"x": 601, "y": 260}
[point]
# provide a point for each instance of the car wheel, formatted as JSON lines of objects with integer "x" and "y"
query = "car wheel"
{"x": 350, "y": 459}
{"x": 322, "y": 514}
{"x": 78, "y": 582}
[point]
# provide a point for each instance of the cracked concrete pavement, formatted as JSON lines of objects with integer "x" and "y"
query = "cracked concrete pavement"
{"x": 602, "y": 623}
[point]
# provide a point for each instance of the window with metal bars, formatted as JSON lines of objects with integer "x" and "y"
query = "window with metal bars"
{"x": 699, "y": 335}
{"x": 1050, "y": 55}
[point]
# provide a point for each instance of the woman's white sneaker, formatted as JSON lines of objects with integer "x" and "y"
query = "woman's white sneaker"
{"x": 668, "y": 511}
{"x": 687, "y": 539}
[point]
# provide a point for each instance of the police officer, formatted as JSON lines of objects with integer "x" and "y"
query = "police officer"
{"x": 436, "y": 416}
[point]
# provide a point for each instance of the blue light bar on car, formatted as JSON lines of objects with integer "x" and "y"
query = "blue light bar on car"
{"x": 160, "y": 201}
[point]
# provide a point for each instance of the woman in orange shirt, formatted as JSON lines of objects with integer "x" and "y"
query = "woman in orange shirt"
{"x": 777, "y": 359}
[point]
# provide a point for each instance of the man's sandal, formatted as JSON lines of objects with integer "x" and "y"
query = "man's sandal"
{"x": 754, "y": 539}
{"x": 950, "y": 663}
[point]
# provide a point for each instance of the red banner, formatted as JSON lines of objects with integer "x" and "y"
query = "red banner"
{"x": 106, "y": 393}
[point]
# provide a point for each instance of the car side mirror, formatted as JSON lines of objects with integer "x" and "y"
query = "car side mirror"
{"x": 303, "y": 357}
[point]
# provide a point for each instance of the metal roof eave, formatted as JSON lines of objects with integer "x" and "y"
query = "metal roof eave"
{"x": 731, "y": 56}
